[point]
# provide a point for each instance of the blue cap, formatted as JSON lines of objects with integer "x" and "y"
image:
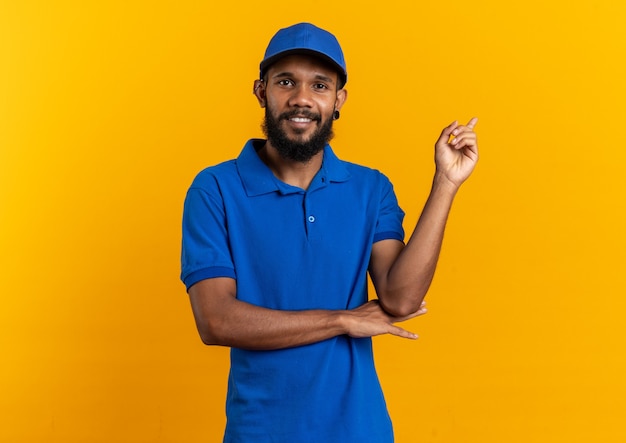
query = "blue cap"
{"x": 305, "y": 38}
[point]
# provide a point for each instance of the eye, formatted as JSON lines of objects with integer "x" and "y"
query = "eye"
{"x": 320, "y": 86}
{"x": 285, "y": 82}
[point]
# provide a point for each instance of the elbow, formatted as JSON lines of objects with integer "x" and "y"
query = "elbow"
{"x": 210, "y": 334}
{"x": 401, "y": 311}
{"x": 402, "y": 307}
{"x": 208, "y": 339}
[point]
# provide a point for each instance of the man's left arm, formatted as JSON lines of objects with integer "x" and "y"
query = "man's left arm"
{"x": 402, "y": 274}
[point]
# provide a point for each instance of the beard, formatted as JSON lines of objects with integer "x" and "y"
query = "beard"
{"x": 299, "y": 151}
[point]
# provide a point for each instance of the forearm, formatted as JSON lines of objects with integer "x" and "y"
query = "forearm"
{"x": 224, "y": 320}
{"x": 402, "y": 279}
{"x": 246, "y": 326}
{"x": 221, "y": 319}
{"x": 410, "y": 275}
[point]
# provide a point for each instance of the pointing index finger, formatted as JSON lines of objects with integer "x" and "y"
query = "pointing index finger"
{"x": 472, "y": 122}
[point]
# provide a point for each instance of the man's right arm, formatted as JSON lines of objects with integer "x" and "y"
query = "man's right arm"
{"x": 221, "y": 319}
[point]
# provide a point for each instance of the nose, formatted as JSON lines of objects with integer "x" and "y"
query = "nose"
{"x": 301, "y": 97}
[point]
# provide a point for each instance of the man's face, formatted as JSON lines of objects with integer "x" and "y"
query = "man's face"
{"x": 300, "y": 97}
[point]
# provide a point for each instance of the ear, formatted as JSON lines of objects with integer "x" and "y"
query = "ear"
{"x": 259, "y": 91}
{"x": 342, "y": 96}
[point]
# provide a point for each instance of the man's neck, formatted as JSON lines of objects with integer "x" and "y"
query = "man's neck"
{"x": 294, "y": 173}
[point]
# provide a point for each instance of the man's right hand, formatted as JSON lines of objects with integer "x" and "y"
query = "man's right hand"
{"x": 370, "y": 319}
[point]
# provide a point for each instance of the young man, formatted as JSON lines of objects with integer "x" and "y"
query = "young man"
{"x": 277, "y": 245}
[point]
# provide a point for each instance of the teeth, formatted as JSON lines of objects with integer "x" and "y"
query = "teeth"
{"x": 300, "y": 120}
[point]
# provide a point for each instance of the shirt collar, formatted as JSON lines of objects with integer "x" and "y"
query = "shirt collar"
{"x": 258, "y": 179}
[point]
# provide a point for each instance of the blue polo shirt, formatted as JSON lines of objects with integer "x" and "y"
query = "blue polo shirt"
{"x": 291, "y": 249}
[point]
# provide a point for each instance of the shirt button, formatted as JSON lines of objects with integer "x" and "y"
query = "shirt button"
{"x": 311, "y": 219}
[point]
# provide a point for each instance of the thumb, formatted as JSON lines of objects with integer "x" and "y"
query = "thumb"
{"x": 447, "y": 131}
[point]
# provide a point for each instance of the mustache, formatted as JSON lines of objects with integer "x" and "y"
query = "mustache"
{"x": 300, "y": 113}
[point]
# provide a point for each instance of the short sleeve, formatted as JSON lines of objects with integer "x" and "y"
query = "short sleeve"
{"x": 390, "y": 215}
{"x": 205, "y": 245}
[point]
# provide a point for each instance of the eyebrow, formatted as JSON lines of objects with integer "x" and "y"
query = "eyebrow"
{"x": 320, "y": 77}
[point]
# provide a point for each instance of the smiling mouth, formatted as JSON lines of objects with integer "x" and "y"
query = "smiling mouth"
{"x": 300, "y": 116}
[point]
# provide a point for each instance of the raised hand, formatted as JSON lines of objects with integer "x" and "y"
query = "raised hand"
{"x": 456, "y": 158}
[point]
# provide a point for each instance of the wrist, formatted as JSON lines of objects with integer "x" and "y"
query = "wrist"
{"x": 340, "y": 321}
{"x": 443, "y": 185}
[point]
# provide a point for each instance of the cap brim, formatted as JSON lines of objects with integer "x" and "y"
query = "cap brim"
{"x": 265, "y": 64}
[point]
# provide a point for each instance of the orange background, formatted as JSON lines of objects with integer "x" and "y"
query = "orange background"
{"x": 109, "y": 109}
